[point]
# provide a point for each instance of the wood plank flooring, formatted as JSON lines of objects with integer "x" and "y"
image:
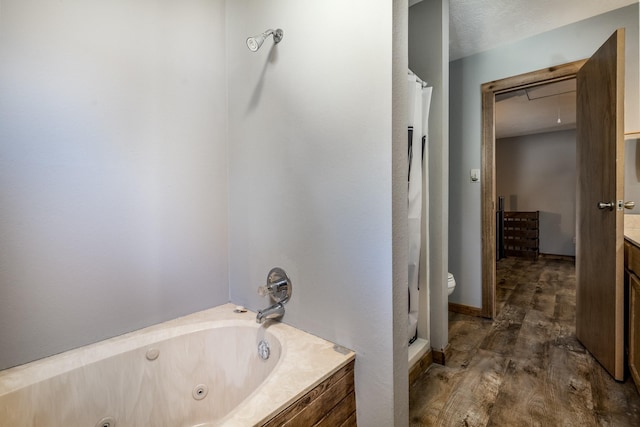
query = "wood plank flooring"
{"x": 526, "y": 368}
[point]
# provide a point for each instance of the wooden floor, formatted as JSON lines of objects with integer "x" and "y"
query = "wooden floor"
{"x": 526, "y": 368}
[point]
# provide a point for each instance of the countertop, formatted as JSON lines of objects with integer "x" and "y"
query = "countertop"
{"x": 632, "y": 229}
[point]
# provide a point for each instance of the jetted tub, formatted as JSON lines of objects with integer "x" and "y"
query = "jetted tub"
{"x": 211, "y": 368}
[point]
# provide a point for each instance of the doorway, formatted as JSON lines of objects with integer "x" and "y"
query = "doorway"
{"x": 488, "y": 182}
{"x": 535, "y": 177}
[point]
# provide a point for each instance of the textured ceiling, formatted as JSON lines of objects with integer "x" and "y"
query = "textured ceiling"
{"x": 479, "y": 25}
{"x": 536, "y": 110}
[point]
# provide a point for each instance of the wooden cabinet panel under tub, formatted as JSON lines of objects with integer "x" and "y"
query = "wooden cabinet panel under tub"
{"x": 331, "y": 403}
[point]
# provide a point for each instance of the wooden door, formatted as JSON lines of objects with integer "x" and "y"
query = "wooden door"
{"x": 600, "y": 231}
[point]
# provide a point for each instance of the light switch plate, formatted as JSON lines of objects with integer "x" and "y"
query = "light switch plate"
{"x": 475, "y": 175}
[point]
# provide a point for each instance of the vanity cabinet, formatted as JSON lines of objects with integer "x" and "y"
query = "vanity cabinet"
{"x": 632, "y": 273}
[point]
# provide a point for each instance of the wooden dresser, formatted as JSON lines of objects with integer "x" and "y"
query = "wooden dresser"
{"x": 521, "y": 235}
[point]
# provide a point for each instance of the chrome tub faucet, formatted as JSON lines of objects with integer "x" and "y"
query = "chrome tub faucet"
{"x": 278, "y": 288}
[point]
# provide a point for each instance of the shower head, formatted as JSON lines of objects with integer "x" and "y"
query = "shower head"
{"x": 254, "y": 43}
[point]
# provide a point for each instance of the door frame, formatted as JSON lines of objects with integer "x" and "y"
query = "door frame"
{"x": 487, "y": 181}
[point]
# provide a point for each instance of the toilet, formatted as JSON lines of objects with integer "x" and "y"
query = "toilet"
{"x": 451, "y": 284}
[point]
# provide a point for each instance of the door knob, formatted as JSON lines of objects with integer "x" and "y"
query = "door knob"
{"x": 621, "y": 204}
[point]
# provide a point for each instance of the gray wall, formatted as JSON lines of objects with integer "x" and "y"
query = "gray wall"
{"x": 632, "y": 167}
{"x": 570, "y": 43}
{"x": 429, "y": 59}
{"x": 310, "y": 161}
{"x": 113, "y": 172}
{"x": 538, "y": 173}
{"x": 632, "y": 173}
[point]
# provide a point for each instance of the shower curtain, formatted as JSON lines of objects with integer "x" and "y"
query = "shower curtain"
{"x": 419, "y": 103}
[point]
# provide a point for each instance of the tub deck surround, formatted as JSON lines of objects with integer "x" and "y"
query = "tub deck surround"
{"x": 253, "y": 394}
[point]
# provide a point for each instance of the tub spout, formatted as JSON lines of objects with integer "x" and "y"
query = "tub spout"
{"x": 273, "y": 312}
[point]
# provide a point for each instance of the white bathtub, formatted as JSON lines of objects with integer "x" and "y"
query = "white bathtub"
{"x": 200, "y": 370}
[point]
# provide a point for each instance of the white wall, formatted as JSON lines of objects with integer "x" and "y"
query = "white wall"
{"x": 113, "y": 186}
{"x": 310, "y": 161}
{"x": 400, "y": 253}
{"x": 566, "y": 44}
{"x": 538, "y": 173}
